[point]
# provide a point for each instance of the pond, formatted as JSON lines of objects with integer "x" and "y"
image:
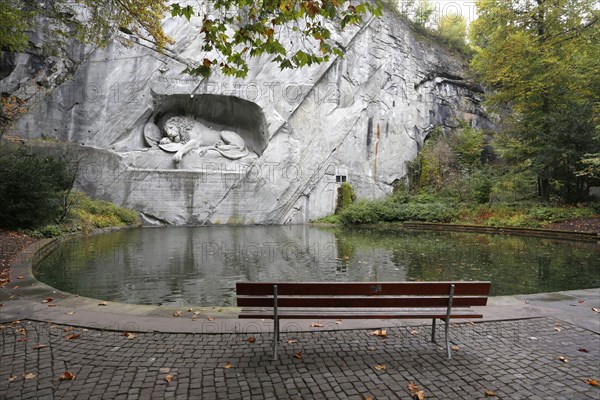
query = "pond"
{"x": 199, "y": 265}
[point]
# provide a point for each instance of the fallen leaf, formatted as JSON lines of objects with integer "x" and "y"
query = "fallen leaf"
{"x": 196, "y": 312}
{"x": 20, "y": 277}
{"x": 73, "y": 336}
{"x": 595, "y": 309}
{"x": 378, "y": 332}
{"x": 316, "y": 325}
{"x": 371, "y": 348}
{"x": 177, "y": 314}
{"x": 11, "y": 378}
{"x": 190, "y": 310}
{"x": 168, "y": 378}
{"x": 533, "y": 338}
{"x": 369, "y": 398}
{"x": 592, "y": 382}
{"x": 39, "y": 346}
{"x": 210, "y": 318}
{"x": 227, "y": 365}
{"x": 28, "y": 376}
{"x": 68, "y": 329}
{"x": 415, "y": 332}
{"x": 416, "y": 392}
{"x": 563, "y": 359}
{"x": 581, "y": 301}
{"x": 129, "y": 335}
{"x": 338, "y": 322}
{"x": 67, "y": 376}
{"x": 557, "y": 328}
{"x": 51, "y": 305}
{"x": 16, "y": 287}
{"x": 583, "y": 350}
{"x": 489, "y": 393}
{"x": 103, "y": 303}
{"x": 251, "y": 339}
{"x": 21, "y": 331}
{"x": 70, "y": 313}
{"x": 379, "y": 367}
{"x": 48, "y": 300}
{"x": 164, "y": 370}
{"x": 455, "y": 348}
{"x": 299, "y": 355}
{"x": 292, "y": 341}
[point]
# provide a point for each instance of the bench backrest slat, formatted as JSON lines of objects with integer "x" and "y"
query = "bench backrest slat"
{"x": 361, "y": 302}
{"x": 363, "y": 288}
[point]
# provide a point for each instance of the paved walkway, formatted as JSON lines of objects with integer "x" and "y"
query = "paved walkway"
{"x": 197, "y": 358}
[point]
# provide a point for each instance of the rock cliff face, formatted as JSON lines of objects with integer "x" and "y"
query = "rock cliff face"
{"x": 355, "y": 119}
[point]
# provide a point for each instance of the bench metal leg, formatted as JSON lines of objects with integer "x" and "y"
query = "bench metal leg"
{"x": 433, "y": 330}
{"x": 448, "y": 338}
{"x": 275, "y": 338}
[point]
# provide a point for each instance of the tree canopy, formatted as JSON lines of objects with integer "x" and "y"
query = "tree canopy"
{"x": 541, "y": 59}
{"x": 232, "y": 30}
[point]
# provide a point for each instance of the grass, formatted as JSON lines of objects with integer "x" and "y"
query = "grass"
{"x": 86, "y": 214}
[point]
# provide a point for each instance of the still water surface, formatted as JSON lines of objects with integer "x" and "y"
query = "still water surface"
{"x": 200, "y": 265}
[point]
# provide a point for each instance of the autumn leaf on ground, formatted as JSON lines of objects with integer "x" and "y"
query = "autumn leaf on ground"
{"x": 29, "y": 376}
{"x": 168, "y": 378}
{"x": 210, "y": 318}
{"x": 299, "y": 355}
{"x": 73, "y": 336}
{"x": 197, "y": 312}
{"x": 371, "y": 348}
{"x": 557, "y": 328}
{"x": 369, "y": 398}
{"x": 11, "y": 378}
{"x": 338, "y": 322}
{"x": 416, "y": 391}
{"x": 164, "y": 370}
{"x": 129, "y": 335}
{"x": 563, "y": 359}
{"x": 595, "y": 309}
{"x": 48, "y": 300}
{"x": 415, "y": 332}
{"x": 39, "y": 346}
{"x": 489, "y": 393}
{"x": 581, "y": 301}
{"x": 190, "y": 310}
{"x": 67, "y": 376}
{"x": 21, "y": 331}
{"x": 20, "y": 277}
{"x": 292, "y": 341}
{"x": 70, "y": 313}
{"x": 455, "y": 348}
{"x": 68, "y": 329}
{"x": 316, "y": 325}
{"x": 227, "y": 365}
{"x": 103, "y": 303}
{"x": 379, "y": 367}
{"x": 592, "y": 382}
{"x": 251, "y": 339}
{"x": 583, "y": 350}
{"x": 378, "y": 332}
{"x": 177, "y": 314}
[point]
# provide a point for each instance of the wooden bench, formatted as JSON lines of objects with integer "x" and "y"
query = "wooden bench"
{"x": 361, "y": 300}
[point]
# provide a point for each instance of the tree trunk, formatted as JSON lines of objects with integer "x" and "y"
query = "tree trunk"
{"x": 544, "y": 188}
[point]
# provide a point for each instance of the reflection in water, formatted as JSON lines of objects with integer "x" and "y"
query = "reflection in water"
{"x": 200, "y": 265}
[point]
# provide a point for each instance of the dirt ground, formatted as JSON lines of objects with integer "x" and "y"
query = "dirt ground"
{"x": 590, "y": 225}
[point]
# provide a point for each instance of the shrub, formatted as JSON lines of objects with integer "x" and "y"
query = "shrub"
{"x": 345, "y": 197}
{"x": 33, "y": 189}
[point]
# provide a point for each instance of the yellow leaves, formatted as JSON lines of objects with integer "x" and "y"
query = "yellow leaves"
{"x": 299, "y": 355}
{"x": 29, "y": 376}
{"x": 378, "y": 332}
{"x": 416, "y": 391}
{"x": 563, "y": 359}
{"x": 316, "y": 325}
{"x": 177, "y": 314}
{"x": 11, "y": 378}
{"x": 67, "y": 376}
{"x": 592, "y": 382}
{"x": 251, "y": 339}
{"x": 73, "y": 336}
{"x": 596, "y": 310}
{"x": 455, "y": 348}
{"x": 103, "y": 303}
{"x": 39, "y": 346}
{"x": 227, "y": 365}
{"x": 379, "y": 367}
{"x": 292, "y": 341}
{"x": 210, "y": 318}
{"x": 168, "y": 378}
{"x": 48, "y": 300}
{"x": 129, "y": 335}
{"x": 489, "y": 393}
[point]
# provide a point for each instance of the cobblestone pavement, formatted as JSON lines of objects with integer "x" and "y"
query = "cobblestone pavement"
{"x": 514, "y": 359}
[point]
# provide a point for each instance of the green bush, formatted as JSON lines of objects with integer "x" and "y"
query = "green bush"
{"x": 345, "y": 197}
{"x": 370, "y": 212}
{"x": 33, "y": 189}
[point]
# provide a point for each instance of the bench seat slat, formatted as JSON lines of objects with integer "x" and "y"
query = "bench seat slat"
{"x": 356, "y": 301}
{"x": 358, "y": 313}
{"x": 362, "y": 288}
